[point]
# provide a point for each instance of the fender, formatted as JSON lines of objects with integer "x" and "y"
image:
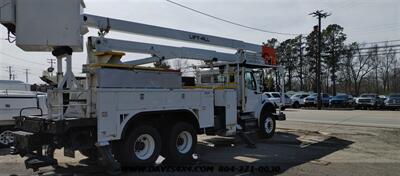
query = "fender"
{"x": 264, "y": 104}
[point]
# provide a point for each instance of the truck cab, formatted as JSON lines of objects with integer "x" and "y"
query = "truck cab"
{"x": 246, "y": 82}
{"x": 246, "y": 85}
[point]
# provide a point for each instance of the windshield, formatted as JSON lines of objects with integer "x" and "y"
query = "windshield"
{"x": 275, "y": 95}
{"x": 341, "y": 97}
{"x": 322, "y": 95}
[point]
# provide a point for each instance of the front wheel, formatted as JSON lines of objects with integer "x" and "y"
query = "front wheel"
{"x": 141, "y": 147}
{"x": 181, "y": 143}
{"x": 267, "y": 125}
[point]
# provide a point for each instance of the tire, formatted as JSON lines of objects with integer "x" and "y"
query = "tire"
{"x": 283, "y": 108}
{"x": 6, "y": 137}
{"x": 267, "y": 125}
{"x": 141, "y": 147}
{"x": 181, "y": 144}
{"x": 91, "y": 153}
{"x": 296, "y": 105}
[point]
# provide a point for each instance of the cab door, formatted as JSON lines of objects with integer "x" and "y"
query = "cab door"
{"x": 252, "y": 95}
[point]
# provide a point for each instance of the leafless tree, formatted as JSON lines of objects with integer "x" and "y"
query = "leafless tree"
{"x": 387, "y": 65}
{"x": 359, "y": 67}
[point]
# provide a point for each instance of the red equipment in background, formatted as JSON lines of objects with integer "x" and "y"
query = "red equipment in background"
{"x": 269, "y": 55}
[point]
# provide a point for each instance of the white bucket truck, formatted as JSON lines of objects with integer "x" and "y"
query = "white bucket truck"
{"x": 127, "y": 114}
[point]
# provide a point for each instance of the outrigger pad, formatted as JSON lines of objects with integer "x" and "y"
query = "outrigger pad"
{"x": 37, "y": 162}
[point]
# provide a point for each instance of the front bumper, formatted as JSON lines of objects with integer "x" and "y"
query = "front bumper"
{"x": 393, "y": 105}
{"x": 309, "y": 103}
{"x": 365, "y": 104}
{"x": 339, "y": 103}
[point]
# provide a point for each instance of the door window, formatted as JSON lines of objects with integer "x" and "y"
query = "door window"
{"x": 249, "y": 81}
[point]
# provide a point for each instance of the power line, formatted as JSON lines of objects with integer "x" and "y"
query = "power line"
{"x": 41, "y": 64}
{"x": 365, "y": 31}
{"x": 378, "y": 47}
{"x": 345, "y": 5}
{"x": 387, "y": 41}
{"x": 228, "y": 21}
{"x": 21, "y": 59}
{"x": 373, "y": 27}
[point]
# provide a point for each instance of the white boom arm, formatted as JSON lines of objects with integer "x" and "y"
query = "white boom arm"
{"x": 159, "y": 51}
{"x": 104, "y": 23}
{"x": 164, "y": 52}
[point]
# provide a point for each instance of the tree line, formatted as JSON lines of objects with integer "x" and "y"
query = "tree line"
{"x": 352, "y": 68}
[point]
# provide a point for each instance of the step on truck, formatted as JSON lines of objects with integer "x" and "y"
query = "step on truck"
{"x": 126, "y": 114}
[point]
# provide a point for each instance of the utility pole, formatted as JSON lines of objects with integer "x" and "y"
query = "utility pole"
{"x": 10, "y": 72}
{"x": 319, "y": 14}
{"x": 301, "y": 63}
{"x": 26, "y": 75}
{"x": 51, "y": 68}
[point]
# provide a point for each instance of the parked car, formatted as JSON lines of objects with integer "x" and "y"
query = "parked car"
{"x": 288, "y": 101}
{"x": 15, "y": 96}
{"x": 298, "y": 99}
{"x": 342, "y": 100}
{"x": 381, "y": 101}
{"x": 393, "y": 101}
{"x": 368, "y": 100}
{"x": 312, "y": 100}
{"x": 275, "y": 97}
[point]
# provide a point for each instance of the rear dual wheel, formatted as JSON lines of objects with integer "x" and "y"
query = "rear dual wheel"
{"x": 141, "y": 147}
{"x": 180, "y": 144}
{"x": 144, "y": 145}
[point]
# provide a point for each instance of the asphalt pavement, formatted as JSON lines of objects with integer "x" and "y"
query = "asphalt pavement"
{"x": 329, "y": 147}
{"x": 389, "y": 119}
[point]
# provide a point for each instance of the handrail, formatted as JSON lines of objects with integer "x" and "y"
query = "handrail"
{"x": 22, "y": 109}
